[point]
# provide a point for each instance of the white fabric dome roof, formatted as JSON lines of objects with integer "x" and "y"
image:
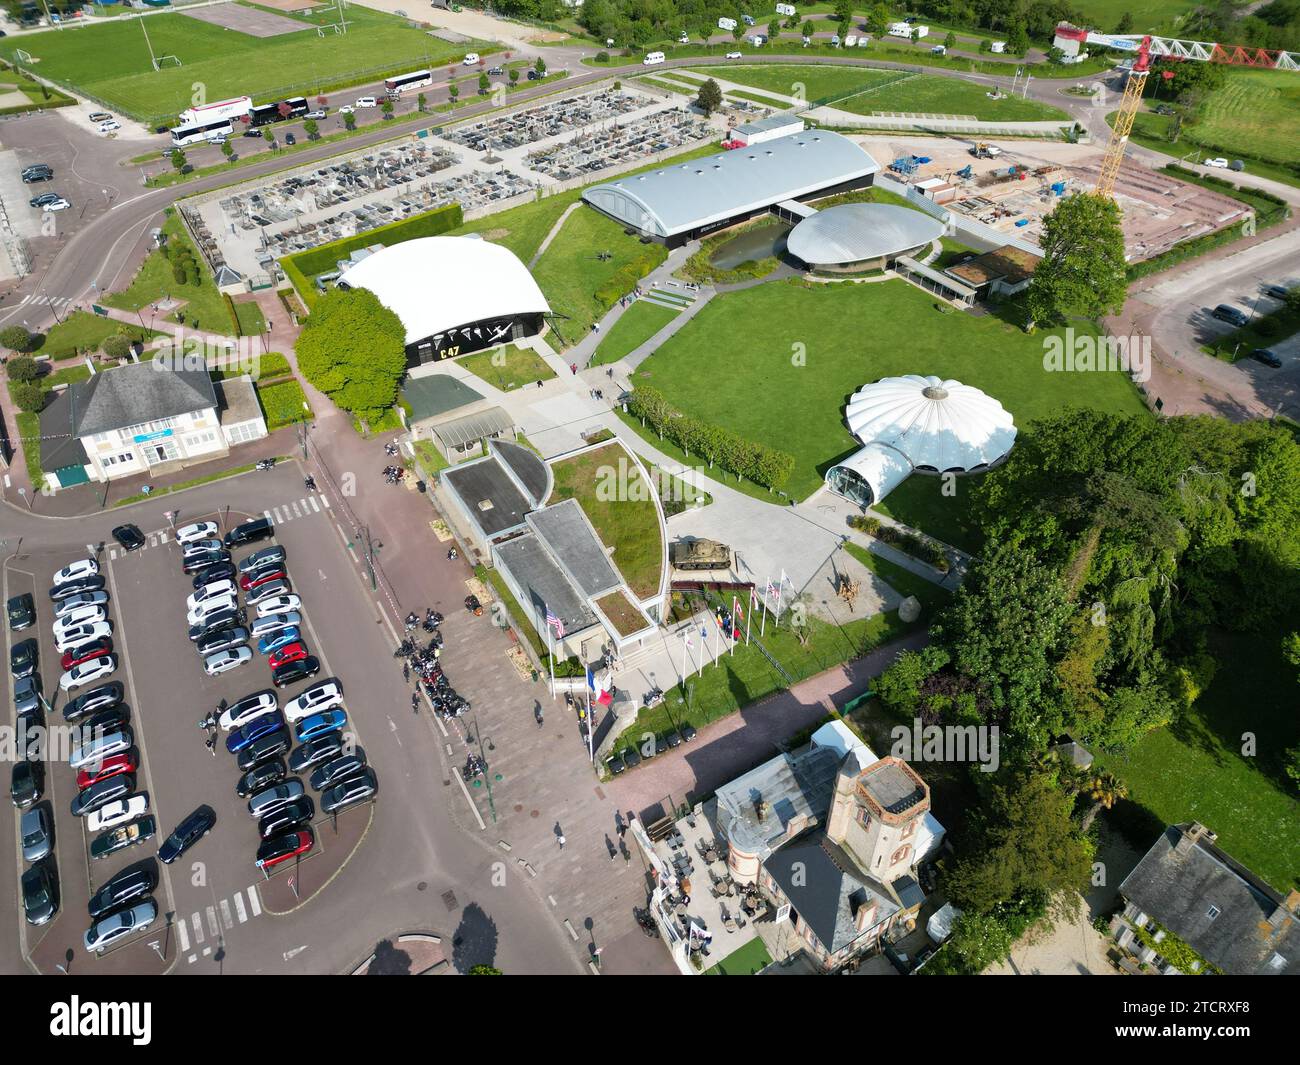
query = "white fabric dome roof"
{"x": 937, "y": 425}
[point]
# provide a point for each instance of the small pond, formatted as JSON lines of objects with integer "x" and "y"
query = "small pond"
{"x": 761, "y": 242}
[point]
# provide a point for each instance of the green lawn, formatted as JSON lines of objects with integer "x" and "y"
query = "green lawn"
{"x": 635, "y": 326}
{"x": 1104, "y": 15}
{"x": 283, "y": 403}
{"x": 852, "y": 335}
{"x": 746, "y": 961}
{"x": 627, "y": 522}
{"x": 82, "y": 331}
{"x": 110, "y": 62}
{"x": 251, "y": 320}
{"x": 889, "y": 90}
{"x": 1256, "y": 109}
{"x": 1195, "y": 769}
{"x": 903, "y": 581}
{"x": 571, "y": 271}
{"x": 29, "y": 432}
{"x": 508, "y": 368}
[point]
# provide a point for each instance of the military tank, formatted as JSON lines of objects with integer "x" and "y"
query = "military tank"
{"x": 699, "y": 554}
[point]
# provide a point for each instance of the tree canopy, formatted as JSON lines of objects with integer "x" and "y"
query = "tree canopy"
{"x": 353, "y": 349}
{"x": 1083, "y": 270}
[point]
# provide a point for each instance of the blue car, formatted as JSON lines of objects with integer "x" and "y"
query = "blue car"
{"x": 246, "y": 734}
{"x": 320, "y": 724}
{"x": 276, "y": 640}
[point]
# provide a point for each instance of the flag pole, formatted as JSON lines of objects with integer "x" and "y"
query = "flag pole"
{"x": 735, "y": 604}
{"x": 776, "y": 618}
{"x": 749, "y": 618}
{"x": 685, "y": 647}
{"x": 550, "y": 651}
{"x": 591, "y": 726}
{"x": 762, "y": 625}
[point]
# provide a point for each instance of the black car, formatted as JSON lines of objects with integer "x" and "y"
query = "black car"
{"x": 60, "y": 592}
{"x": 26, "y": 783}
{"x": 335, "y": 771}
{"x": 289, "y": 138}
{"x": 252, "y": 133}
{"x": 203, "y": 560}
{"x": 688, "y": 732}
{"x": 221, "y": 641}
{"x": 109, "y": 719}
{"x": 292, "y": 672}
{"x": 187, "y": 833}
{"x": 27, "y": 694}
{"x": 631, "y": 757}
{"x": 1277, "y": 292}
{"x": 272, "y": 745}
{"x": 21, "y": 610}
{"x": 286, "y": 817}
{"x": 101, "y": 794}
{"x": 1225, "y": 312}
{"x": 127, "y": 835}
{"x": 219, "y": 572}
{"x": 126, "y": 886}
{"x": 1266, "y": 357}
{"x": 495, "y": 71}
{"x": 261, "y": 776}
{"x": 101, "y": 698}
{"x": 250, "y": 532}
{"x": 357, "y": 789}
{"x": 40, "y": 894}
{"x": 221, "y": 621}
{"x": 37, "y": 172}
{"x": 316, "y": 751}
{"x": 673, "y": 739}
{"x": 615, "y": 765}
{"x": 29, "y": 738}
{"x": 534, "y": 76}
{"x": 266, "y": 557}
{"x": 43, "y": 199}
{"x": 23, "y": 657}
{"x": 129, "y": 536}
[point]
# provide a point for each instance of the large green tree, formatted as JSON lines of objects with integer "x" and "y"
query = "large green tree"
{"x": 353, "y": 349}
{"x": 710, "y": 97}
{"x": 1082, "y": 271}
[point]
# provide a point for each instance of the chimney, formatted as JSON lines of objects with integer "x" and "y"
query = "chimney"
{"x": 1191, "y": 835}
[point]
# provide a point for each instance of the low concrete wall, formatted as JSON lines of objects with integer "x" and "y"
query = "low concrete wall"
{"x": 832, "y": 116}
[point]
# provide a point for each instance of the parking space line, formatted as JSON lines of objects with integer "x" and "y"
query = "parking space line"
{"x": 182, "y": 934}
{"x": 254, "y": 903}
{"x": 198, "y": 928}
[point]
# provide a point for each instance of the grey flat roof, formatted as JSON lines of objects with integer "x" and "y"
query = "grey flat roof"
{"x": 793, "y": 786}
{"x": 892, "y": 787}
{"x": 489, "y": 494}
{"x": 852, "y": 232}
{"x": 544, "y": 585}
{"x": 436, "y": 394}
{"x": 484, "y": 423}
{"x": 236, "y": 401}
{"x": 688, "y": 195}
{"x": 531, "y": 471}
{"x": 572, "y": 541}
{"x": 776, "y": 121}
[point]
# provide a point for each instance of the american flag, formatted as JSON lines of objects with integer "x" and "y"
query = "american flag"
{"x": 555, "y": 623}
{"x": 772, "y": 592}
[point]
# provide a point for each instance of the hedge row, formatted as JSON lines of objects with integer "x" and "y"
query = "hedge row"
{"x": 763, "y": 465}
{"x": 625, "y": 279}
{"x": 325, "y": 258}
{"x": 1197, "y": 178}
{"x": 903, "y": 540}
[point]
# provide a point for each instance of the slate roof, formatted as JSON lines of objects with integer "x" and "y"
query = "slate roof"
{"x": 1251, "y": 929}
{"x": 565, "y": 530}
{"x": 136, "y": 393}
{"x": 59, "y": 448}
{"x": 436, "y": 394}
{"x": 544, "y": 584}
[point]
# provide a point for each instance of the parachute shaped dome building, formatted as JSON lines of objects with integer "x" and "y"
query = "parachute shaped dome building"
{"x": 918, "y": 423}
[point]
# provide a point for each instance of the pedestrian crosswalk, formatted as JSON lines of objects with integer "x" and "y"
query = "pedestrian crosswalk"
{"x": 157, "y": 538}
{"x": 297, "y": 508}
{"x": 42, "y": 300}
{"x": 197, "y": 933}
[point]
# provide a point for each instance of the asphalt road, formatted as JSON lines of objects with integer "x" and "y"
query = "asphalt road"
{"x": 414, "y": 869}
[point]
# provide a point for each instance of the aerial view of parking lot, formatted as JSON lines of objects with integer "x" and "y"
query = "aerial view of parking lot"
{"x": 626, "y": 489}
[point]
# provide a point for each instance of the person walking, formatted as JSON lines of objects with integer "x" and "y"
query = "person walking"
{"x": 573, "y": 368}
{"x": 561, "y": 840}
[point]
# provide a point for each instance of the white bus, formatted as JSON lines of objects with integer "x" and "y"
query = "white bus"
{"x": 416, "y": 80}
{"x": 200, "y": 132}
{"x": 651, "y": 58}
{"x": 236, "y": 108}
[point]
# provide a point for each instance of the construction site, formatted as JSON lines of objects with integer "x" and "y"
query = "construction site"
{"x": 1013, "y": 185}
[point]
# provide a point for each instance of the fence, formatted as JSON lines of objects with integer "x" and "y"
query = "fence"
{"x": 830, "y": 116}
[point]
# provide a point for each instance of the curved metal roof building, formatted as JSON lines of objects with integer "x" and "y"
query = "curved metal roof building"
{"x": 857, "y": 232}
{"x": 686, "y": 199}
{"x": 918, "y": 423}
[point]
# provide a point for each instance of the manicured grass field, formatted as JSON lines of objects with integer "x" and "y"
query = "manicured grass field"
{"x": 890, "y": 90}
{"x": 630, "y": 526}
{"x": 733, "y": 365}
{"x": 508, "y": 368}
{"x": 111, "y": 62}
{"x": 746, "y": 961}
{"x": 82, "y": 331}
{"x": 1195, "y": 769}
{"x": 1256, "y": 109}
{"x": 283, "y": 403}
{"x": 635, "y": 326}
{"x": 1104, "y": 15}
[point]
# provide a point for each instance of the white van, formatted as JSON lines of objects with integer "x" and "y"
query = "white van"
{"x": 726, "y": 23}
{"x": 470, "y": 59}
{"x": 651, "y": 58}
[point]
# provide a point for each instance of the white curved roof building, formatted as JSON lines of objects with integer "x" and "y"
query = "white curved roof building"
{"x": 454, "y": 295}
{"x": 861, "y": 232}
{"x": 918, "y": 423}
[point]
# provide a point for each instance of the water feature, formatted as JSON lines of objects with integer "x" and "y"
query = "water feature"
{"x": 761, "y": 242}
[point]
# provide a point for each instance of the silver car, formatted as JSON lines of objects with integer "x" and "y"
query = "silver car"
{"x": 220, "y": 661}
{"x": 99, "y": 747}
{"x": 271, "y": 799}
{"x": 34, "y": 828}
{"x": 66, "y": 606}
{"x": 108, "y": 930}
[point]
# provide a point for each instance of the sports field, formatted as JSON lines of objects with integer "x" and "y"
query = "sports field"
{"x": 734, "y": 365}
{"x": 110, "y": 62}
{"x": 888, "y": 90}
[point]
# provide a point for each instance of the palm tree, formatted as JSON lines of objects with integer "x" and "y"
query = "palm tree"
{"x": 1105, "y": 791}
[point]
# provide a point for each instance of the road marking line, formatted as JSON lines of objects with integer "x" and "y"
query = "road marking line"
{"x": 296, "y": 512}
{"x": 268, "y": 515}
{"x": 325, "y": 501}
{"x": 207, "y": 951}
{"x": 192, "y": 958}
{"x": 240, "y": 910}
{"x": 183, "y": 935}
{"x": 227, "y": 921}
{"x": 198, "y": 927}
{"x": 254, "y": 903}
{"x": 213, "y": 927}
{"x": 314, "y": 505}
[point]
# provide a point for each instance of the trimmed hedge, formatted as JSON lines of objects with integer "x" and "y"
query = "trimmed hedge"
{"x": 763, "y": 465}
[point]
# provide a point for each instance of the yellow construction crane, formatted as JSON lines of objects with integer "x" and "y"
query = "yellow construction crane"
{"x": 1124, "y": 117}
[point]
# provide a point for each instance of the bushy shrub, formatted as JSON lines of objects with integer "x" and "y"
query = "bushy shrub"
{"x": 116, "y": 346}
{"x": 17, "y": 338}
{"x": 23, "y": 369}
{"x": 29, "y": 396}
{"x": 865, "y": 523}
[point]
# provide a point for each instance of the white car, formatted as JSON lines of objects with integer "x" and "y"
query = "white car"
{"x": 79, "y": 634}
{"x": 279, "y": 604}
{"x": 347, "y": 109}
{"x": 735, "y": 55}
{"x": 322, "y": 696}
{"x": 247, "y": 708}
{"x": 207, "y": 607}
{"x": 117, "y": 813}
{"x": 470, "y": 59}
{"x": 109, "y": 126}
{"x": 58, "y": 205}
{"x": 209, "y": 591}
{"x": 66, "y": 606}
{"x": 82, "y": 615}
{"x": 317, "y": 114}
{"x": 367, "y": 101}
{"x": 108, "y": 930}
{"x": 1220, "y": 163}
{"x": 87, "y": 672}
{"x": 221, "y": 661}
{"x": 201, "y": 547}
{"x": 200, "y": 530}
{"x": 74, "y": 571}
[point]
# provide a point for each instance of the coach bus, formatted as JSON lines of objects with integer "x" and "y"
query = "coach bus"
{"x": 416, "y": 80}
{"x": 264, "y": 113}
{"x": 199, "y": 132}
{"x": 236, "y": 108}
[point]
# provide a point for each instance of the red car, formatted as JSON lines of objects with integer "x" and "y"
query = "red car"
{"x": 291, "y": 653}
{"x": 250, "y": 580}
{"x": 86, "y": 651}
{"x": 109, "y": 767}
{"x": 281, "y": 848}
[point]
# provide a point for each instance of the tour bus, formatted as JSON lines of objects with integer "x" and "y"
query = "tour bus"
{"x": 652, "y": 58}
{"x": 199, "y": 132}
{"x": 264, "y": 113}
{"x": 236, "y": 108}
{"x": 417, "y": 80}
